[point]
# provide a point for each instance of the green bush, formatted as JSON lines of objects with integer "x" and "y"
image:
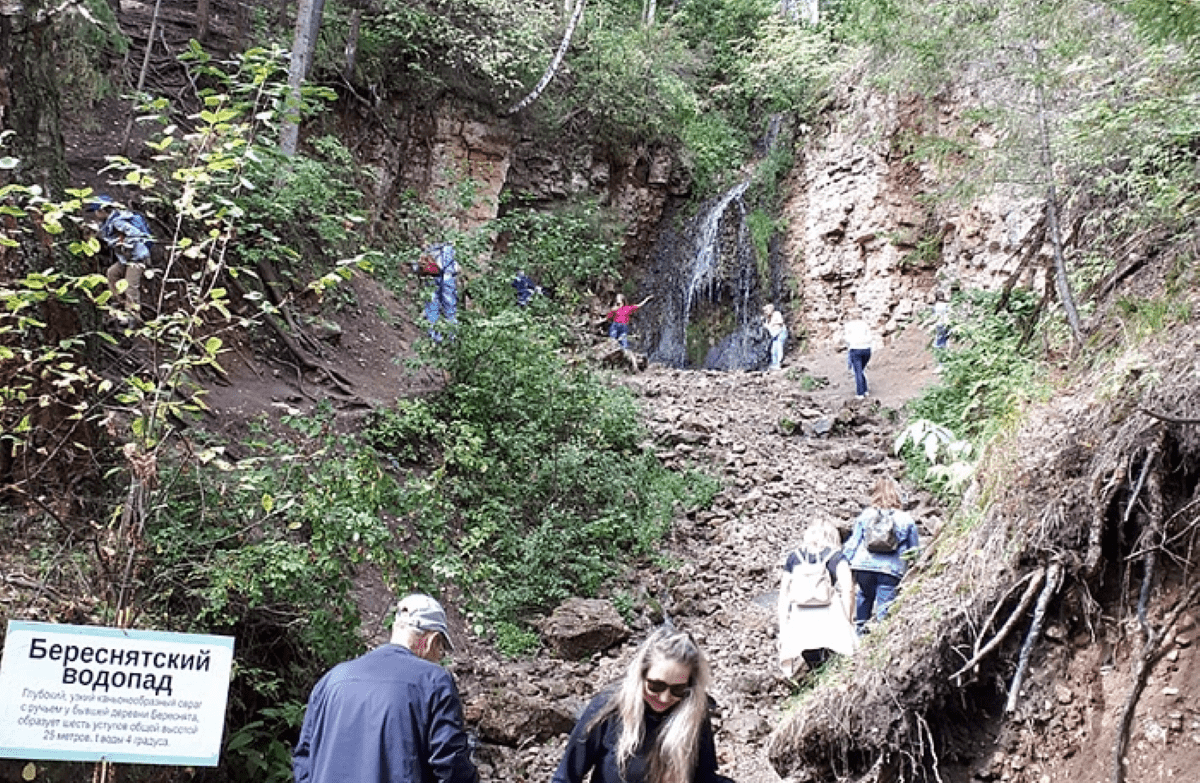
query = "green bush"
{"x": 989, "y": 372}
{"x": 536, "y": 466}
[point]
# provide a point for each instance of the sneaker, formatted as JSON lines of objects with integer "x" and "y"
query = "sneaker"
{"x": 859, "y": 396}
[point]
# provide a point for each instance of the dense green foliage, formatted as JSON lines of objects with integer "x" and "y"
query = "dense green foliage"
{"x": 989, "y": 374}
{"x": 534, "y": 462}
{"x": 697, "y": 79}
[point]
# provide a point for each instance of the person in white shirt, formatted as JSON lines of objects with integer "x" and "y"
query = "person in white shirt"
{"x": 778, "y": 332}
{"x": 857, "y": 335}
{"x": 941, "y": 316}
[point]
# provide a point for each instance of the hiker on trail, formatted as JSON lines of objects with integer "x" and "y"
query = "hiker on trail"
{"x": 652, "y": 726}
{"x": 777, "y": 330}
{"x": 857, "y": 335}
{"x": 619, "y": 315}
{"x": 438, "y": 265}
{"x": 941, "y": 321}
{"x": 883, "y": 536}
{"x": 816, "y": 600}
{"x": 127, "y": 234}
{"x": 525, "y": 287}
{"x": 392, "y": 715}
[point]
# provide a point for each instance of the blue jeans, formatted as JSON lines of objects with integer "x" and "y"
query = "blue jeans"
{"x": 777, "y": 348}
{"x": 876, "y": 591}
{"x": 443, "y": 303}
{"x": 941, "y": 337}
{"x": 620, "y": 333}
{"x": 858, "y": 363}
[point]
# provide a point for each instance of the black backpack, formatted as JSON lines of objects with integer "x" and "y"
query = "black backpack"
{"x": 879, "y": 532}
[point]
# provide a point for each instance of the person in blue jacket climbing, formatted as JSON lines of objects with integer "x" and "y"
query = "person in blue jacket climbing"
{"x": 439, "y": 266}
{"x": 885, "y": 538}
{"x": 127, "y": 234}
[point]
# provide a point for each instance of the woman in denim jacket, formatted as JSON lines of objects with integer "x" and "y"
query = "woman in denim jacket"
{"x": 878, "y": 573}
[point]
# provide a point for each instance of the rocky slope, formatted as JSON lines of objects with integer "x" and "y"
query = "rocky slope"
{"x": 718, "y": 572}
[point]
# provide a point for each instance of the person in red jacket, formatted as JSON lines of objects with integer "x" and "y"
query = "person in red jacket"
{"x": 619, "y": 315}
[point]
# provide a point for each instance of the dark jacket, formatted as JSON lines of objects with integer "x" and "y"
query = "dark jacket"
{"x": 596, "y": 750}
{"x": 385, "y": 717}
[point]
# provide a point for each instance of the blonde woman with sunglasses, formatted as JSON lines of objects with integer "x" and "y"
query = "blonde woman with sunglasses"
{"x": 652, "y": 727}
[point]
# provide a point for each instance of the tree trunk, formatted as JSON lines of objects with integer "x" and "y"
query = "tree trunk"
{"x": 29, "y": 96}
{"x": 555, "y": 63}
{"x": 352, "y": 44}
{"x": 141, "y": 82}
{"x": 308, "y": 25}
{"x": 1061, "y": 281}
{"x": 203, "y": 11}
{"x": 649, "y": 11}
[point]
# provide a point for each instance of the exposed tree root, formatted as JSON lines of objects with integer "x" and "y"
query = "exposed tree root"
{"x": 1054, "y": 577}
{"x": 1166, "y": 418}
{"x": 924, "y": 731}
{"x": 1026, "y": 599}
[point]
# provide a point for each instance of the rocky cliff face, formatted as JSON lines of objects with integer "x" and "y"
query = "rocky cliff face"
{"x": 862, "y": 233}
{"x": 860, "y": 228}
{"x": 461, "y": 165}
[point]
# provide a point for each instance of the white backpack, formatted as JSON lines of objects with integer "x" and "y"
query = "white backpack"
{"x": 811, "y": 584}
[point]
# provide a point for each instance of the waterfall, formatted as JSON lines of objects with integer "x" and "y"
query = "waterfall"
{"x": 708, "y": 287}
{"x": 704, "y": 267}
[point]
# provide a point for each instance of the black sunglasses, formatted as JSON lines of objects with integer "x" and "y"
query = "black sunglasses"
{"x": 680, "y": 691}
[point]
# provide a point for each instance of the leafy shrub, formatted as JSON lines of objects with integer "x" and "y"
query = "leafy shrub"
{"x": 492, "y": 48}
{"x": 988, "y": 374}
{"x": 567, "y": 250}
{"x": 786, "y": 67}
{"x": 540, "y": 473}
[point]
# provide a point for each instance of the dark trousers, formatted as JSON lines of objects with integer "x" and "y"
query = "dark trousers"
{"x": 858, "y": 363}
{"x": 875, "y": 592}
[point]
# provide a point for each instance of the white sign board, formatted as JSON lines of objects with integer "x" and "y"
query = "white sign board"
{"x": 83, "y": 693}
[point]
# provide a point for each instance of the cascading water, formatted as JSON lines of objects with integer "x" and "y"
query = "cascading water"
{"x": 709, "y": 287}
{"x": 704, "y": 269}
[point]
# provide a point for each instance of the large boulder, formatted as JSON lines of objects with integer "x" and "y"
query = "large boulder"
{"x": 512, "y": 718}
{"x": 582, "y": 626}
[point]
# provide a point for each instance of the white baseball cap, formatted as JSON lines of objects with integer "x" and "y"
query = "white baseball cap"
{"x": 424, "y": 613}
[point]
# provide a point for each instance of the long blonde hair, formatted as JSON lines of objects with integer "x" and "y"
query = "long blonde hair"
{"x": 673, "y": 757}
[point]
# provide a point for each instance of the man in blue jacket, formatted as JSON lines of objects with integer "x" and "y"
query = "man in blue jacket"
{"x": 392, "y": 715}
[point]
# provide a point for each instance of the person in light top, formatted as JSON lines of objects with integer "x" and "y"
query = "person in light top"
{"x": 858, "y": 338}
{"x": 777, "y": 330}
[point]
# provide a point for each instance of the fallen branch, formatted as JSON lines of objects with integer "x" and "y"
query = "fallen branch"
{"x": 1026, "y": 599}
{"x": 1151, "y": 652}
{"x": 1166, "y": 418}
{"x": 1053, "y": 580}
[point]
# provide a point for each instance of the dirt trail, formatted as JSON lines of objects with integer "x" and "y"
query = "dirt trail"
{"x": 773, "y": 483}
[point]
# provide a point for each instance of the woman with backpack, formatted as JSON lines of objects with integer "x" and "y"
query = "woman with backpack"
{"x": 816, "y": 596}
{"x": 883, "y": 535}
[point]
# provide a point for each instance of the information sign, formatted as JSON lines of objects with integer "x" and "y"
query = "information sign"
{"x": 84, "y": 693}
